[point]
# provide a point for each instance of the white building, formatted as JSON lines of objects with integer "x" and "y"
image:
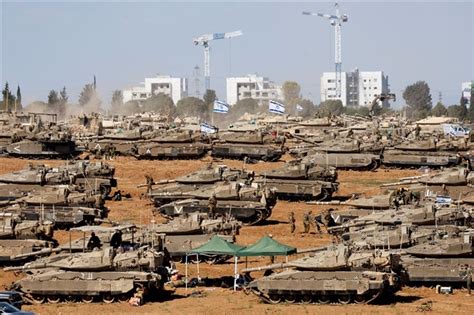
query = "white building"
{"x": 176, "y": 88}
{"x": 358, "y": 88}
{"x": 252, "y": 86}
{"x": 466, "y": 90}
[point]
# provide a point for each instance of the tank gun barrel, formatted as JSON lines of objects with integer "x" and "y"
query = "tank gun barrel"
{"x": 44, "y": 251}
{"x": 160, "y": 182}
{"x": 311, "y": 250}
{"x": 331, "y": 203}
{"x": 402, "y": 182}
{"x": 342, "y": 227}
{"x": 269, "y": 267}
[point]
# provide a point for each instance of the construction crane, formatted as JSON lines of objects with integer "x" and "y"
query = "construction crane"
{"x": 204, "y": 41}
{"x": 336, "y": 21}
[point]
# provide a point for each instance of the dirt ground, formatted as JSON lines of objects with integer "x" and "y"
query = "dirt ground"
{"x": 130, "y": 173}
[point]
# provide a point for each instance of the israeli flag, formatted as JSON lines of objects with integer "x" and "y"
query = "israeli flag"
{"x": 221, "y": 107}
{"x": 299, "y": 108}
{"x": 275, "y": 107}
{"x": 206, "y": 128}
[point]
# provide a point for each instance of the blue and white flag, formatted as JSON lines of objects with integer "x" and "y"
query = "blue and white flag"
{"x": 220, "y": 107}
{"x": 275, "y": 107}
{"x": 206, "y": 128}
{"x": 299, "y": 108}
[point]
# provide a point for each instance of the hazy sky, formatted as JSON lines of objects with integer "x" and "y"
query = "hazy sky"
{"x": 48, "y": 45}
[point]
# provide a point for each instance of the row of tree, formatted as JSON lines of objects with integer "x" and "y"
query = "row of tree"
{"x": 419, "y": 104}
{"x": 11, "y": 102}
{"x": 417, "y": 97}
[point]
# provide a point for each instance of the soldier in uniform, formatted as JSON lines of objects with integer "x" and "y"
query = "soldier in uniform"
{"x": 417, "y": 131}
{"x": 292, "y": 221}
{"x": 468, "y": 279}
{"x": 307, "y": 221}
{"x": 212, "y": 205}
{"x": 149, "y": 183}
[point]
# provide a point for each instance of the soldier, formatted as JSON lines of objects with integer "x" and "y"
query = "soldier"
{"x": 292, "y": 221}
{"x": 116, "y": 239}
{"x": 212, "y": 205}
{"x": 444, "y": 191}
{"x": 307, "y": 221}
{"x": 149, "y": 183}
{"x": 316, "y": 225}
{"x": 113, "y": 151}
{"x": 94, "y": 242}
{"x": 417, "y": 131}
{"x": 468, "y": 279}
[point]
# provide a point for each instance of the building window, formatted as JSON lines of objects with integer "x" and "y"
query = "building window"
{"x": 375, "y": 87}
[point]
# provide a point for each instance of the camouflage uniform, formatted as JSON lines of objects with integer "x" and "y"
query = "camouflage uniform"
{"x": 212, "y": 206}
{"x": 307, "y": 221}
{"x": 292, "y": 220}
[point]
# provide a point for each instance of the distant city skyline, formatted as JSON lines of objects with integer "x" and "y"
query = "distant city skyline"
{"x": 48, "y": 45}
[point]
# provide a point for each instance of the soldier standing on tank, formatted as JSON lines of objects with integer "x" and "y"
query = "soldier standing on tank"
{"x": 292, "y": 221}
{"x": 212, "y": 205}
{"x": 417, "y": 131}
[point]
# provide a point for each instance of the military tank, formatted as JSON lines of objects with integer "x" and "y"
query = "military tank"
{"x": 451, "y": 244}
{"x": 105, "y": 274}
{"x": 13, "y": 251}
{"x": 333, "y": 274}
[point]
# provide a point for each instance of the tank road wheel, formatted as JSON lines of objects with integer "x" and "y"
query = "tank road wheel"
{"x": 38, "y": 299}
{"x": 306, "y": 299}
{"x": 274, "y": 299}
{"x": 323, "y": 299}
{"x": 123, "y": 298}
{"x": 360, "y": 299}
{"x": 290, "y": 299}
{"x": 70, "y": 299}
{"x": 87, "y": 299}
{"x": 54, "y": 299}
{"x": 108, "y": 298}
{"x": 344, "y": 299}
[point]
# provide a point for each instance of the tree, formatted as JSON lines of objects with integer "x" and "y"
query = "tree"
{"x": 471, "y": 104}
{"x": 53, "y": 99}
{"x": 439, "y": 110}
{"x": 308, "y": 108}
{"x": 209, "y": 97}
{"x": 457, "y": 111}
{"x": 291, "y": 94}
{"x": 192, "y": 107}
{"x": 8, "y": 99}
{"x": 18, "y": 95}
{"x": 89, "y": 99}
{"x": 246, "y": 105}
{"x": 361, "y": 110}
{"x": 130, "y": 108}
{"x": 117, "y": 101}
{"x": 161, "y": 104}
{"x": 418, "y": 98}
{"x": 63, "y": 98}
{"x": 331, "y": 107}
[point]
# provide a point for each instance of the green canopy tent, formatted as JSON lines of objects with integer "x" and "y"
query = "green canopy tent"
{"x": 216, "y": 246}
{"x": 267, "y": 246}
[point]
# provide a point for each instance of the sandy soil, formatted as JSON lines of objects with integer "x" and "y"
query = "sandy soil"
{"x": 130, "y": 173}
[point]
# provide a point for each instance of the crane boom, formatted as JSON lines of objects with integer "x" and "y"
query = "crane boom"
{"x": 203, "y": 41}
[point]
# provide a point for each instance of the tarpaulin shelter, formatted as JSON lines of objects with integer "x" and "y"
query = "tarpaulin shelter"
{"x": 216, "y": 246}
{"x": 267, "y": 246}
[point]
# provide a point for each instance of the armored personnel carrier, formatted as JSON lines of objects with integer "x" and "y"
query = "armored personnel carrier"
{"x": 43, "y": 148}
{"x": 305, "y": 170}
{"x": 335, "y": 274}
{"x": 353, "y": 161}
{"x": 400, "y": 158}
{"x": 248, "y": 212}
{"x": 264, "y": 152}
{"x": 62, "y": 217}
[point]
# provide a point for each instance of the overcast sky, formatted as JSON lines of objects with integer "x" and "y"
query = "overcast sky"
{"x": 48, "y": 45}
